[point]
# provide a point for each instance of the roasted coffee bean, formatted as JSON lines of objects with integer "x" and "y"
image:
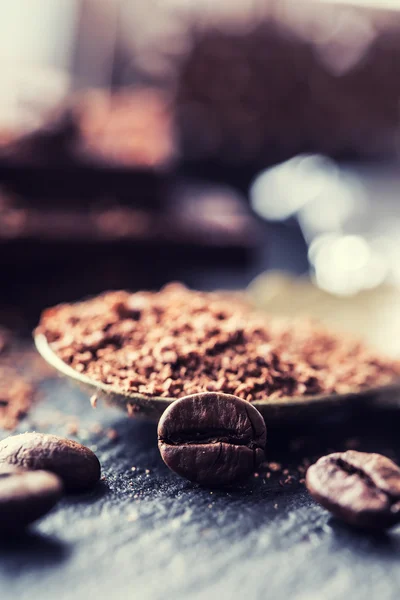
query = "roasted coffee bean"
{"x": 25, "y": 496}
{"x": 360, "y": 488}
{"x": 77, "y": 466}
{"x": 212, "y": 439}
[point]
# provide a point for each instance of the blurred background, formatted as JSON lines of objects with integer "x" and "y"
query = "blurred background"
{"x": 249, "y": 143}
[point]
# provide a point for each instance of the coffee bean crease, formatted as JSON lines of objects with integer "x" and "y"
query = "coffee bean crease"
{"x": 212, "y": 438}
{"x": 209, "y": 437}
{"x": 361, "y": 488}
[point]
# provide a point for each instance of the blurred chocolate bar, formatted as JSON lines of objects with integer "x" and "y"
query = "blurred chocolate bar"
{"x": 262, "y": 81}
{"x": 194, "y": 213}
{"x": 61, "y": 253}
{"x": 97, "y": 145}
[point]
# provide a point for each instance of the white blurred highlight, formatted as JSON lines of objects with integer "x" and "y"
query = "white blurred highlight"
{"x": 334, "y": 214}
{"x": 346, "y": 264}
{"x": 280, "y": 192}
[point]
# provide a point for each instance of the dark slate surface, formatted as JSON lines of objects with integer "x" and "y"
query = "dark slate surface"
{"x": 147, "y": 534}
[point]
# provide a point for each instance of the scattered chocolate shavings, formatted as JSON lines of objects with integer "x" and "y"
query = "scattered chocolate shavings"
{"x": 16, "y": 397}
{"x": 274, "y": 466}
{"x": 112, "y": 434}
{"x": 20, "y": 371}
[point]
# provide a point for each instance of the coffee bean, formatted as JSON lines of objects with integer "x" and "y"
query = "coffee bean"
{"x": 77, "y": 466}
{"x": 360, "y": 488}
{"x": 211, "y": 438}
{"x": 25, "y": 496}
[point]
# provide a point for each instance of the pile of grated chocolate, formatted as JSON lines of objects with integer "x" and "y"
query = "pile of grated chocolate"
{"x": 177, "y": 342}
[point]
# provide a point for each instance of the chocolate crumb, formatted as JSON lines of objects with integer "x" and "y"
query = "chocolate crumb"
{"x": 112, "y": 435}
{"x": 72, "y": 428}
{"x": 275, "y": 467}
{"x": 178, "y": 342}
{"x": 16, "y": 397}
{"x": 289, "y": 480}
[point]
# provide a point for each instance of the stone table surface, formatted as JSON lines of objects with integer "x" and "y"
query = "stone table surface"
{"x": 145, "y": 533}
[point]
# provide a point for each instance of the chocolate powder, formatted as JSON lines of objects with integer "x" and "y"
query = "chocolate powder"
{"x": 177, "y": 342}
{"x": 16, "y": 393}
{"x": 16, "y": 397}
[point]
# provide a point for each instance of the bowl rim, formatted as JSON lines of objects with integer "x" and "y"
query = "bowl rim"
{"x": 45, "y": 350}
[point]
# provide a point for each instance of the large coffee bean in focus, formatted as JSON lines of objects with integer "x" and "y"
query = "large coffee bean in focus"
{"x": 76, "y": 465}
{"x": 360, "y": 488}
{"x": 211, "y": 438}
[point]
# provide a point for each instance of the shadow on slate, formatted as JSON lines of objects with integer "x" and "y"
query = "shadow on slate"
{"x": 148, "y": 532}
{"x": 91, "y": 497}
{"x": 382, "y": 544}
{"x": 31, "y": 549}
